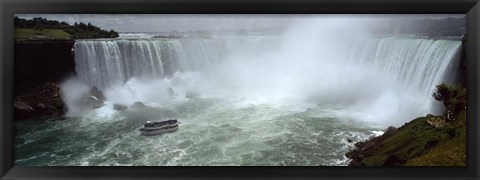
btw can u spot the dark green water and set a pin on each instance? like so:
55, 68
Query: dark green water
212, 132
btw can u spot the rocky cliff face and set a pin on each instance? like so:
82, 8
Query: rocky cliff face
41, 61
41, 102
38, 68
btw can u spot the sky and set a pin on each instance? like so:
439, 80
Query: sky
194, 22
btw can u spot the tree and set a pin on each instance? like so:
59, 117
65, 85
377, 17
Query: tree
90, 27
39, 27
112, 34
78, 30
442, 93
454, 97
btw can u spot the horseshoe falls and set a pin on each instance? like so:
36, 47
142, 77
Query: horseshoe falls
241, 99
106, 62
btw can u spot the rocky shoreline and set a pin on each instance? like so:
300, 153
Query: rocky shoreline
366, 148
39, 68
45, 102
42, 102
417, 143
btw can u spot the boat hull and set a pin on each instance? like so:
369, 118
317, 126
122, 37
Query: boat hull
156, 127
157, 132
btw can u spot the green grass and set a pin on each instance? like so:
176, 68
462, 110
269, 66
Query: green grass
419, 144
450, 152
375, 160
44, 34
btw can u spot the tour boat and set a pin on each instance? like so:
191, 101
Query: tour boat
159, 127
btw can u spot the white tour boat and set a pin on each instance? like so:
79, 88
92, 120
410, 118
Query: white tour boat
159, 127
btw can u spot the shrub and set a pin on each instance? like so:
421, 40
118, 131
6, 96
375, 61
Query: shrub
453, 97
77, 30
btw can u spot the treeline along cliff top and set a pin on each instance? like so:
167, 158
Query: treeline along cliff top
43, 58
43, 29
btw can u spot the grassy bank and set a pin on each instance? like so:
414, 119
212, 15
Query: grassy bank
450, 151
419, 143
43, 29
28, 34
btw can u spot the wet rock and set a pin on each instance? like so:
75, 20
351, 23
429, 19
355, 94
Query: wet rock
366, 148
22, 106
390, 129
23, 110
97, 93
41, 102
119, 107
94, 99
41, 106
138, 105
91, 102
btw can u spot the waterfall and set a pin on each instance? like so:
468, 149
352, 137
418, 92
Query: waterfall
419, 64
416, 64
107, 62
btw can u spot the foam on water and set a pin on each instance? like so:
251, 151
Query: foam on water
212, 133
293, 99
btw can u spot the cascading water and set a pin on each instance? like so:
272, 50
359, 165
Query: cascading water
242, 100
417, 64
104, 63
420, 64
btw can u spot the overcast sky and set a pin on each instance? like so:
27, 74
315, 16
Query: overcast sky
187, 22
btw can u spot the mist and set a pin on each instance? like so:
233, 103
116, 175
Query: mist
273, 90
312, 66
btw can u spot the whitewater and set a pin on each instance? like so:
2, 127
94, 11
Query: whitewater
300, 98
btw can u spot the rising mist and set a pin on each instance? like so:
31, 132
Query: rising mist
312, 63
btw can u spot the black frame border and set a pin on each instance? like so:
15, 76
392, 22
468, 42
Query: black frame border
10, 7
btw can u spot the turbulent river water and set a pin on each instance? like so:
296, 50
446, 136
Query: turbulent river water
241, 100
